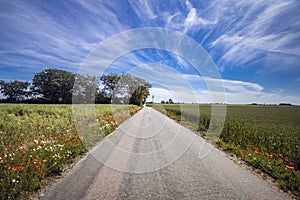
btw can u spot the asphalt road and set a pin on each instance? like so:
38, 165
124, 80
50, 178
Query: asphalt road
151, 157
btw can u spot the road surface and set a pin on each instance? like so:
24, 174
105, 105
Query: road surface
152, 157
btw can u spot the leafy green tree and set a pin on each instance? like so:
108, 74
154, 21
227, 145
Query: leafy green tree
54, 85
85, 89
109, 83
125, 88
14, 91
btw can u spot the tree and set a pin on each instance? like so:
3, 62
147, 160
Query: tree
162, 102
125, 88
135, 90
54, 85
171, 101
85, 89
14, 91
109, 83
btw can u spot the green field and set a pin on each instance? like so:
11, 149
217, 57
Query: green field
40, 140
265, 136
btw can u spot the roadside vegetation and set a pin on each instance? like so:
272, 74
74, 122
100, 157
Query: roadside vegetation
38, 141
267, 137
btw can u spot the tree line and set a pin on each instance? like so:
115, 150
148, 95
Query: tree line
59, 86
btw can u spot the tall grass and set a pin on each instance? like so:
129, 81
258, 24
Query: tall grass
37, 141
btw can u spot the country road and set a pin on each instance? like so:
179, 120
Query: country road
152, 157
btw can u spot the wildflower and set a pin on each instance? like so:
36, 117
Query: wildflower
274, 154
24, 154
240, 142
281, 161
249, 154
290, 168
20, 167
1, 181
270, 156
255, 149
14, 168
280, 155
1, 155
286, 159
37, 167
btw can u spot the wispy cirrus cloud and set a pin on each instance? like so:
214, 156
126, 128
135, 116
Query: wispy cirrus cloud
265, 30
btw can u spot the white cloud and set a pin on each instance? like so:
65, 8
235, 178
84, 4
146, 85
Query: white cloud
256, 32
179, 21
193, 19
142, 8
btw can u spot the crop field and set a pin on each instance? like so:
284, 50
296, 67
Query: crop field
40, 140
265, 136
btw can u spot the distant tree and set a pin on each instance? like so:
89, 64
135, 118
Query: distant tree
171, 101
54, 85
109, 83
139, 91
162, 102
85, 88
100, 97
125, 88
14, 91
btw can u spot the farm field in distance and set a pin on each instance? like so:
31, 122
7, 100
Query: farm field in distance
40, 140
265, 136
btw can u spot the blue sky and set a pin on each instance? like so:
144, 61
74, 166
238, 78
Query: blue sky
255, 44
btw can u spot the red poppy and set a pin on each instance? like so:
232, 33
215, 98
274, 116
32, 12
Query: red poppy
281, 161
20, 168
24, 154
37, 167
1, 154
290, 168
280, 155
255, 149
14, 168
286, 159
1, 181
270, 156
